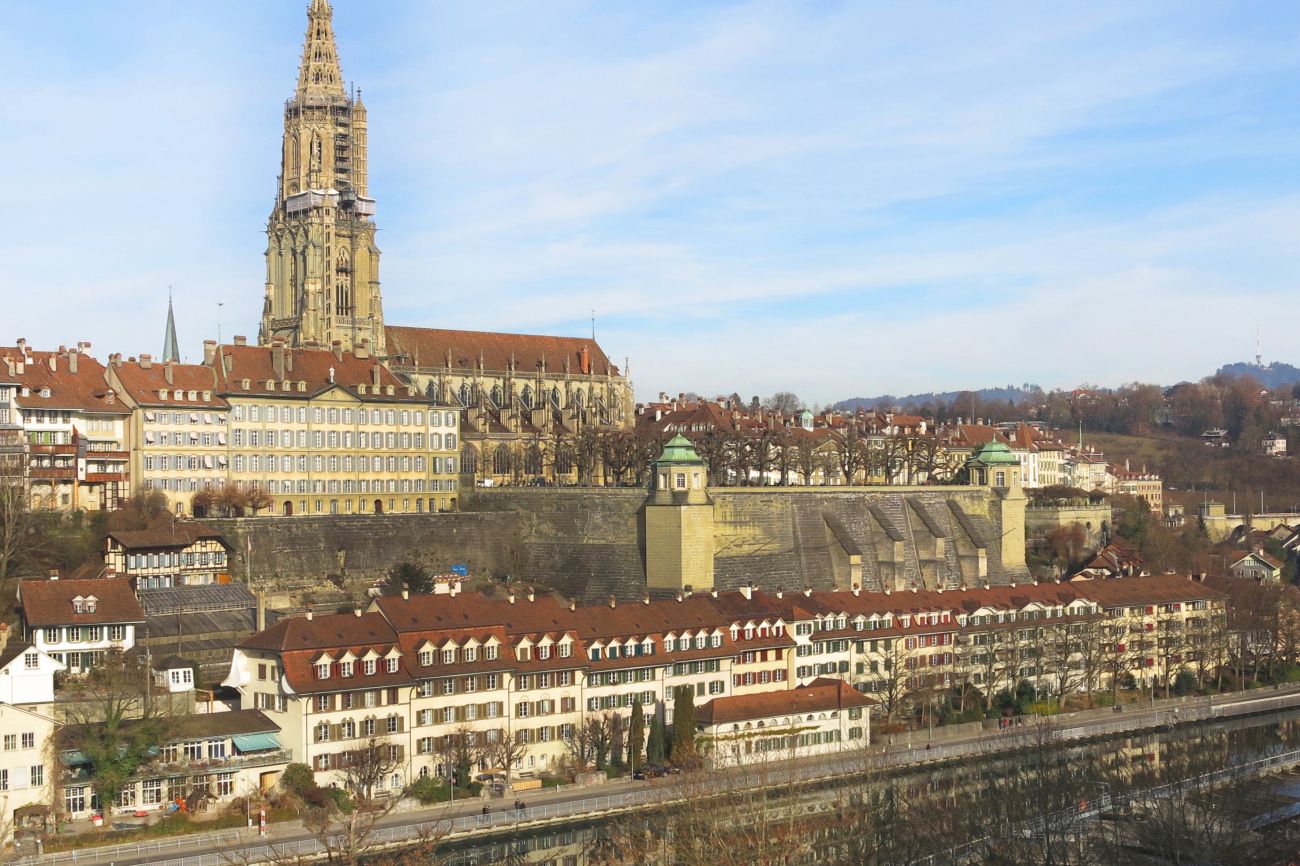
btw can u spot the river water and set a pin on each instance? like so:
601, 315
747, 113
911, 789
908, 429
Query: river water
1143, 760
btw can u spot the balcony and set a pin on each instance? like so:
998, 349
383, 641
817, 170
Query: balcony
208, 766
52, 449
65, 474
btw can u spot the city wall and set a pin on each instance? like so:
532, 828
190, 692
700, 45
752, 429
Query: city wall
590, 543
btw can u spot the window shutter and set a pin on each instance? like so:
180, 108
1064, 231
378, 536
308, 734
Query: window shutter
401, 725
335, 733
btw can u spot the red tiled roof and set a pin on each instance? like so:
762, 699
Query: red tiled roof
1147, 590
820, 695
84, 390
49, 602
432, 347
312, 366
143, 386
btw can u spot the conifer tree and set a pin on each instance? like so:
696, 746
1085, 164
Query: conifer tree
683, 724
654, 747
635, 735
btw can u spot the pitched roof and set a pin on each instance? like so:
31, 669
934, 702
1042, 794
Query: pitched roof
84, 390
1148, 590
177, 535
323, 632
820, 695
313, 366
432, 347
49, 602
143, 386
13, 650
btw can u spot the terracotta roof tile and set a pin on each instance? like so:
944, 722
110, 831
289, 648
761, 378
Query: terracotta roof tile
817, 696
432, 347
49, 602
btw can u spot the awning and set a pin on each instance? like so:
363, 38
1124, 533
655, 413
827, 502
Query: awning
256, 742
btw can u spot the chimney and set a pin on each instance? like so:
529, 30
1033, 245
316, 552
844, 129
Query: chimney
584, 360
72, 361
406, 592
888, 591
913, 589
645, 598
747, 591
374, 375
309, 612
714, 592
780, 592
361, 351
807, 591
277, 357
531, 595
356, 608
986, 584
679, 596
146, 362
168, 374
573, 605
54, 363
453, 587
688, 590
209, 352
857, 590
511, 596
54, 574
613, 602
241, 341
337, 347
261, 611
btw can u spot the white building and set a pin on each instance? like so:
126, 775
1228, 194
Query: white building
26, 771
27, 676
78, 621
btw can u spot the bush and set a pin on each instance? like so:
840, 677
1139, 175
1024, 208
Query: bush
611, 772
297, 778
342, 799
1184, 683
428, 789
553, 781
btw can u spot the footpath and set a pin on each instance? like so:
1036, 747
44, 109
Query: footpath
564, 805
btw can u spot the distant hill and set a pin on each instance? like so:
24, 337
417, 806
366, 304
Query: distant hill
986, 395
1272, 376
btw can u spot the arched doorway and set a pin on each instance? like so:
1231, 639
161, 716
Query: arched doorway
288, 508
379, 506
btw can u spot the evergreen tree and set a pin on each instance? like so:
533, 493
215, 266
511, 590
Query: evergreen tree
635, 734
683, 724
654, 747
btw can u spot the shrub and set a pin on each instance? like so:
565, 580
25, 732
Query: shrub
298, 778
342, 799
1184, 683
430, 789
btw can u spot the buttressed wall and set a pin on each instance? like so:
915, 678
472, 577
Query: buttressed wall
591, 543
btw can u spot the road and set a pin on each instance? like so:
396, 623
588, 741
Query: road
568, 804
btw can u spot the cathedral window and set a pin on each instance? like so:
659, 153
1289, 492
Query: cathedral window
463, 395
526, 397
495, 396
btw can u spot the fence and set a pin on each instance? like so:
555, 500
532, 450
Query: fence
593, 807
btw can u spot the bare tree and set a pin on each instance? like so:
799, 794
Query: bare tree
368, 767
508, 752
20, 533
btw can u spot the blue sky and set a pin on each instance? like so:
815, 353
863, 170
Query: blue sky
838, 199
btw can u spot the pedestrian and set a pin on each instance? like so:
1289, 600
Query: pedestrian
487, 810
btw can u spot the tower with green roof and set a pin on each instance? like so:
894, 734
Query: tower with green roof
679, 520
993, 465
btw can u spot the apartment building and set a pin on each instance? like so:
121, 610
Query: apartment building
74, 425
179, 435
27, 773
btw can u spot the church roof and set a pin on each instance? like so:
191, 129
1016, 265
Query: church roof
433, 347
171, 349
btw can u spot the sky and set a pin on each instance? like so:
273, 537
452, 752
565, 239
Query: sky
835, 198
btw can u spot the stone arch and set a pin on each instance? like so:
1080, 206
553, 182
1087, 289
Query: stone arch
469, 460
526, 397
501, 460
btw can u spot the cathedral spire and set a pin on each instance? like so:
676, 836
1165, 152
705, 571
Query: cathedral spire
319, 77
171, 350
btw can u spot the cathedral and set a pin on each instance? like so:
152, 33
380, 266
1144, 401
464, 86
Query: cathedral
525, 399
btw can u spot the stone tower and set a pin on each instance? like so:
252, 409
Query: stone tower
322, 265
995, 466
679, 521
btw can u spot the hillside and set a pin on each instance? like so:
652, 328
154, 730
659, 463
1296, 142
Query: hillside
1275, 375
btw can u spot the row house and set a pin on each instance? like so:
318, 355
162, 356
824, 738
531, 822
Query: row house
182, 554
74, 425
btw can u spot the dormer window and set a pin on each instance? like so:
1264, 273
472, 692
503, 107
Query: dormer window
471, 654
345, 669
323, 671
90, 603
594, 654
566, 650
391, 665
45, 392
449, 656
490, 652
370, 667
544, 652
78, 605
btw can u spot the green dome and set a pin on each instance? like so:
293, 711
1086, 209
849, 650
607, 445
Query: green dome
994, 454
679, 450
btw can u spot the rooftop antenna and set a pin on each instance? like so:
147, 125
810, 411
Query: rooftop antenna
593, 326
220, 304
1259, 356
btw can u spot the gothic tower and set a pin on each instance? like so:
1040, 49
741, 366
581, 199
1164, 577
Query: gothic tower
322, 265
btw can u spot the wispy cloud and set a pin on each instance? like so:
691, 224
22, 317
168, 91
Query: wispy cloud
841, 198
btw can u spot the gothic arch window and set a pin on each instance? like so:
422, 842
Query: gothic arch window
469, 460
533, 461
563, 461
463, 395
433, 392
578, 399
555, 398
501, 460
342, 284
526, 397
495, 396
